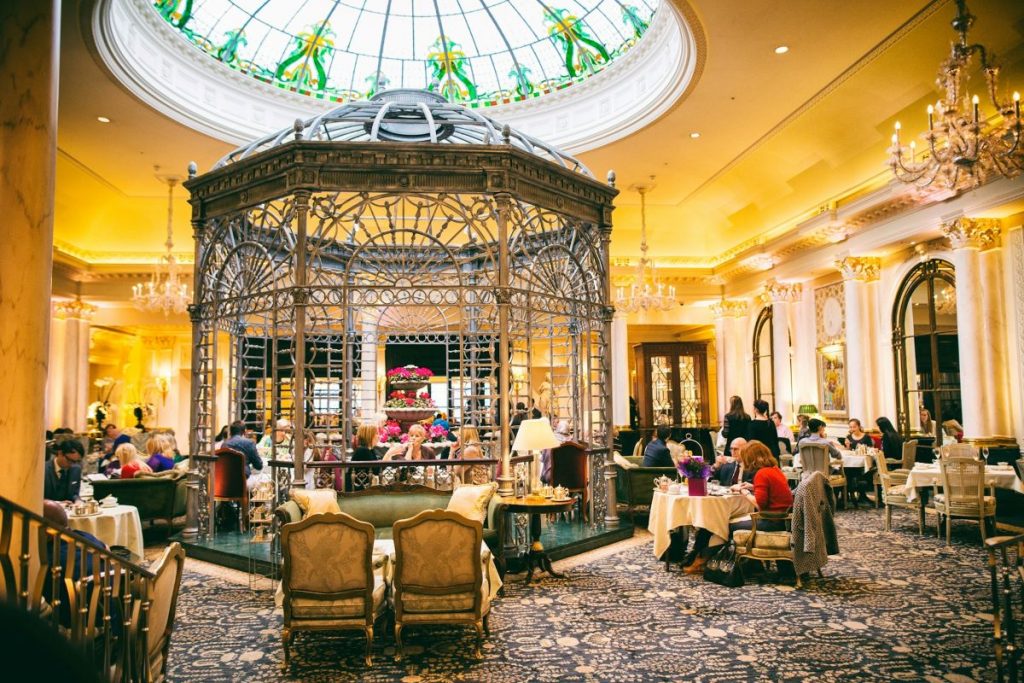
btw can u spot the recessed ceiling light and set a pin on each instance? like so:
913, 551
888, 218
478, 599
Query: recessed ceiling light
782, 49
103, 119
694, 135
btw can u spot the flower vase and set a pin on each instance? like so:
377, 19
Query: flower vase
697, 487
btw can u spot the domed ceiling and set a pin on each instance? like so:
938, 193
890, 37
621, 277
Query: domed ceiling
480, 53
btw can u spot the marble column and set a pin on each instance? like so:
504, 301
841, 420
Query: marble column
858, 274
782, 295
979, 347
620, 371
30, 34
68, 374
1013, 267
731, 360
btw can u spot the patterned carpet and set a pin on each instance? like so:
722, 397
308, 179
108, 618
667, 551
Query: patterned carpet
894, 606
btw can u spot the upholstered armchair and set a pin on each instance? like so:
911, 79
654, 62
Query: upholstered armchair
892, 487
767, 546
162, 592
439, 575
965, 494
325, 589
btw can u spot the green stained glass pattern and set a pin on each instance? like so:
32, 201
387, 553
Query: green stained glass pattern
479, 53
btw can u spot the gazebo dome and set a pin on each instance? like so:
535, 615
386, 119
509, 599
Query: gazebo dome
417, 116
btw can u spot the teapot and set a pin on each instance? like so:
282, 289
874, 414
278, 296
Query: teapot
561, 493
662, 483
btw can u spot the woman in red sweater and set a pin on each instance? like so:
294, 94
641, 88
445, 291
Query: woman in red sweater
769, 492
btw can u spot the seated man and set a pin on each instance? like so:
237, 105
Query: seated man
726, 470
62, 475
55, 514
656, 454
816, 429
238, 442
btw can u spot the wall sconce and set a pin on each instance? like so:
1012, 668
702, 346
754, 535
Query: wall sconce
163, 384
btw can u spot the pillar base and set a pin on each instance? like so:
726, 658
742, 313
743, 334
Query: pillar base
506, 486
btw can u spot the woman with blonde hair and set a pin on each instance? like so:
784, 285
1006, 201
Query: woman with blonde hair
365, 442
467, 447
131, 462
160, 452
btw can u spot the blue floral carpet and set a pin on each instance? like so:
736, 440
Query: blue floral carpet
893, 607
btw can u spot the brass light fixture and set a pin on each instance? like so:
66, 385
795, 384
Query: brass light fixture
961, 150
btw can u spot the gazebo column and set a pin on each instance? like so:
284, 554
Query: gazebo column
619, 376
981, 330
858, 275
782, 295
503, 297
299, 376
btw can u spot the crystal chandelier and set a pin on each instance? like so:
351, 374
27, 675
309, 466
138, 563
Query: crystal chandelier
646, 293
165, 291
961, 150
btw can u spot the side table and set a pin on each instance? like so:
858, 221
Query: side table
537, 558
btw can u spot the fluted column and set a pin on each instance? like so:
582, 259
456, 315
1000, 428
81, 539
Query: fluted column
858, 274
71, 335
30, 36
979, 345
782, 295
731, 364
620, 370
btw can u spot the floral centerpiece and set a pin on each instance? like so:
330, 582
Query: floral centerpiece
437, 434
408, 407
391, 432
409, 372
696, 471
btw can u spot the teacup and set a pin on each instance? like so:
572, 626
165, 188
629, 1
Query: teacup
674, 489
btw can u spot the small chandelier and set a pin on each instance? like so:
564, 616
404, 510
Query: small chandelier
960, 150
646, 293
165, 290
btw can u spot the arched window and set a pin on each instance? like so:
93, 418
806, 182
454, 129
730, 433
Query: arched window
764, 359
926, 350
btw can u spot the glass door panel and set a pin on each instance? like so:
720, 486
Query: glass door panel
689, 391
661, 390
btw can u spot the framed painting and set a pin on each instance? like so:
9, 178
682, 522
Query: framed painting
832, 381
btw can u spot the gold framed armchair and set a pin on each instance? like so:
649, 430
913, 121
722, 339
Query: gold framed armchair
328, 590
767, 546
162, 593
439, 575
964, 495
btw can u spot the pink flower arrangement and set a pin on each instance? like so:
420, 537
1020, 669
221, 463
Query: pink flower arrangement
391, 432
409, 372
437, 433
409, 399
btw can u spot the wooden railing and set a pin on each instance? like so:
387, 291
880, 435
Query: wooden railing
89, 596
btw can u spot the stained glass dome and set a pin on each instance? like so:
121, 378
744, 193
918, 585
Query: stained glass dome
478, 53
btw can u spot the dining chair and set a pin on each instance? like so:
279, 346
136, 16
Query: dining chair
909, 457
814, 457
894, 495
965, 494
162, 592
439, 575
229, 483
570, 467
330, 578
767, 546
1006, 562
959, 450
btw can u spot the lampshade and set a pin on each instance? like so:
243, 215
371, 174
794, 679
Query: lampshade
534, 435
808, 409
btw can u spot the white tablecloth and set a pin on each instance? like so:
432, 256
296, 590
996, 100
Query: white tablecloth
119, 525
851, 460
670, 511
926, 475
386, 547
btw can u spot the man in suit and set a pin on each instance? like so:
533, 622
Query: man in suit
657, 454
62, 476
726, 470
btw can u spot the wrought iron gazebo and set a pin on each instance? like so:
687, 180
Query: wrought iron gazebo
403, 220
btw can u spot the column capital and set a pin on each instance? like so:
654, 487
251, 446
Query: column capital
972, 233
859, 268
158, 342
782, 292
727, 308
73, 310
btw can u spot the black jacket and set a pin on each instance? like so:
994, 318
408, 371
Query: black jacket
735, 428
657, 455
765, 432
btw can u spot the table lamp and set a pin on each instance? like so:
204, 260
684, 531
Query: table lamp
534, 436
808, 409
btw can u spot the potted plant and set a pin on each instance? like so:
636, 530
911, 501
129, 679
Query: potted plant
696, 472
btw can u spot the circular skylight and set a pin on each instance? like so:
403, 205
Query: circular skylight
479, 53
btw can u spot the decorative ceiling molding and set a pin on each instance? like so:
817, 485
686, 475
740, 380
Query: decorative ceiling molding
75, 309
972, 233
783, 292
727, 308
859, 268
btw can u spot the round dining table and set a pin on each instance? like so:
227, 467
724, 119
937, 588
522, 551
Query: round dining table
712, 512
118, 525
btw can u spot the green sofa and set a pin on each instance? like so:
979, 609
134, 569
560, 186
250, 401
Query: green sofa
157, 496
382, 506
634, 487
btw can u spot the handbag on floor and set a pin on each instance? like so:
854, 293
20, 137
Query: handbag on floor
676, 552
724, 568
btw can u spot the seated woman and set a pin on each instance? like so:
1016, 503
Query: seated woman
366, 441
769, 492
468, 448
892, 444
413, 449
464, 436
857, 436
161, 455
131, 462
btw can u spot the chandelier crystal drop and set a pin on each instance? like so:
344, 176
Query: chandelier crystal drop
962, 149
645, 293
166, 291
